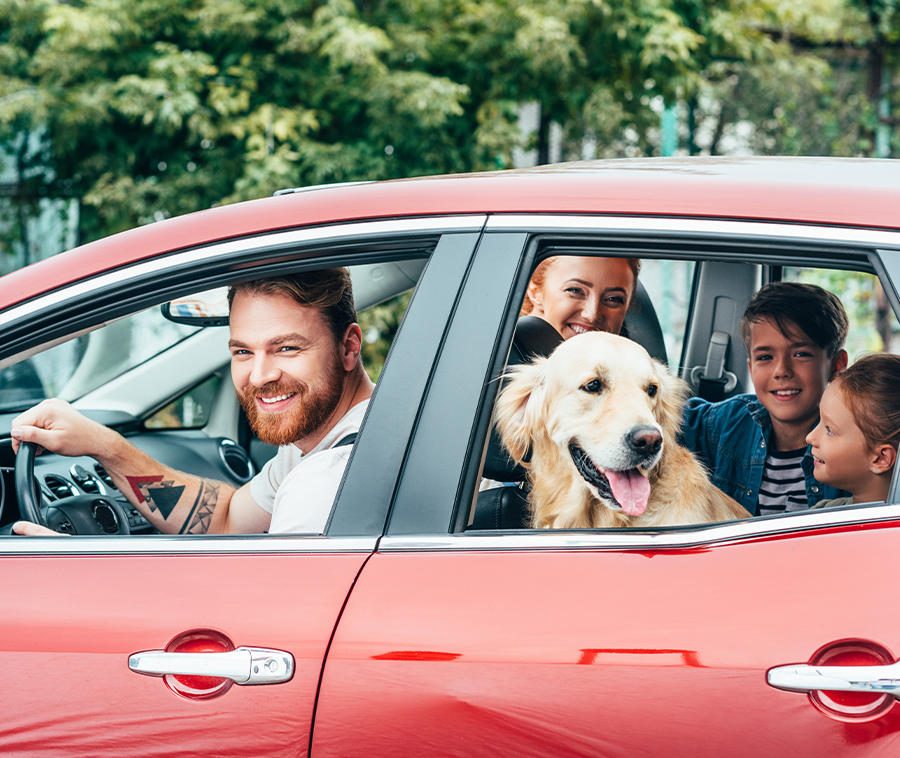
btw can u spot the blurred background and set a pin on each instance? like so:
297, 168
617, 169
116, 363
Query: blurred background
116, 113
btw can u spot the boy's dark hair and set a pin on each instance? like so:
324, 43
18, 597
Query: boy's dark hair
328, 290
793, 305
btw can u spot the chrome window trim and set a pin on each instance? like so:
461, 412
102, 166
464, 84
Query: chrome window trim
699, 227
146, 268
665, 539
183, 545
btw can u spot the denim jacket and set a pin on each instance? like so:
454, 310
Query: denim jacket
731, 438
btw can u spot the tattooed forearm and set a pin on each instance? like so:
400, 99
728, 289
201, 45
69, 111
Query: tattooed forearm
199, 518
161, 497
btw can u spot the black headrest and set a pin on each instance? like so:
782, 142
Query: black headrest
642, 325
534, 337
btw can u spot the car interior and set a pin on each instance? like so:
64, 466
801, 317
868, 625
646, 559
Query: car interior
699, 339
177, 402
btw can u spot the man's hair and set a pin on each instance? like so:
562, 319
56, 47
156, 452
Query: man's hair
328, 290
792, 306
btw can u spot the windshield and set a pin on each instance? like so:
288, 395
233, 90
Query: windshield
75, 368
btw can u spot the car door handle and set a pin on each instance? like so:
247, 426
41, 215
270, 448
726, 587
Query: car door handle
805, 678
245, 665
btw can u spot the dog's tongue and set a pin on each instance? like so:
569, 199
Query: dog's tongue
630, 489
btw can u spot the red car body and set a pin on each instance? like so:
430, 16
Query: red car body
409, 634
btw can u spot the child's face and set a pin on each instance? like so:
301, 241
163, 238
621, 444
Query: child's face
838, 445
789, 374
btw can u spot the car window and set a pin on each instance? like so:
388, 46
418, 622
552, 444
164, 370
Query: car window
166, 386
379, 325
189, 411
668, 284
691, 301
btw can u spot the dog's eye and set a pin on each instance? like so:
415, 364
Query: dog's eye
593, 387
651, 390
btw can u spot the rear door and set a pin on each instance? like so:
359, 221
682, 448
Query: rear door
613, 643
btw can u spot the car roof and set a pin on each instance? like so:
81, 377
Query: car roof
832, 191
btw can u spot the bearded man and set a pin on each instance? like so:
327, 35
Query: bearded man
297, 371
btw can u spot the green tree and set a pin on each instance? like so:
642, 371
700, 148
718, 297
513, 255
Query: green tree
153, 108
821, 95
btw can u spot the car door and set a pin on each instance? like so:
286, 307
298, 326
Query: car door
89, 625
679, 641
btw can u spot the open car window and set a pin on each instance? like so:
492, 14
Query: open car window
695, 306
167, 387
873, 324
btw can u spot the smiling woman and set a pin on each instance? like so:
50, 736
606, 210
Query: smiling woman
577, 294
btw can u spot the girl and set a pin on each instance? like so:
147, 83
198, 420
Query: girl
854, 446
576, 294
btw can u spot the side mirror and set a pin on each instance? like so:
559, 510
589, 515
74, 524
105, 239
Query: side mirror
208, 308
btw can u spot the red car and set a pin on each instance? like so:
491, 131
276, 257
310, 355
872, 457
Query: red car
405, 629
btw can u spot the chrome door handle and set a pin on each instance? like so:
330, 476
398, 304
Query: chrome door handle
245, 665
804, 678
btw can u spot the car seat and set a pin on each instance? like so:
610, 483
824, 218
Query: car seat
506, 507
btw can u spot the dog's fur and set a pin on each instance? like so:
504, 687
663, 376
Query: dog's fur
604, 395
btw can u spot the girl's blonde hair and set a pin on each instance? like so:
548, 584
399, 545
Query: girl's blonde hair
540, 274
871, 391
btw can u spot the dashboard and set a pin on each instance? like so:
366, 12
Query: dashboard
61, 479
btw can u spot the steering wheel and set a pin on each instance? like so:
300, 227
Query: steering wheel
81, 514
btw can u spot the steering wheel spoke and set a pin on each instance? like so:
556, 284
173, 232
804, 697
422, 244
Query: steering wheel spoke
87, 514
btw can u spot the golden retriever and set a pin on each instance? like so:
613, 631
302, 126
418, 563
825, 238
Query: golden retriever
599, 418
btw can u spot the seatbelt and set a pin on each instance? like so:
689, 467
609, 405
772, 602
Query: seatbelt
712, 382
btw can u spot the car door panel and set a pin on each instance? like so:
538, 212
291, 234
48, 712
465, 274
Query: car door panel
67, 688
603, 652
77, 609
616, 644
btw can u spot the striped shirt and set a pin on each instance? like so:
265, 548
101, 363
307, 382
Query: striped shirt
783, 485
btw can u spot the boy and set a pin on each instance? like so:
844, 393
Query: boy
755, 445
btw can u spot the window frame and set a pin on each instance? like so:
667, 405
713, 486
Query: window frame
85, 305
757, 242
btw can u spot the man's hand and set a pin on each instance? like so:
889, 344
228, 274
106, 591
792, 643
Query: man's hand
29, 529
56, 426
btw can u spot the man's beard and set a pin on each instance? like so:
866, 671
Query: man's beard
309, 411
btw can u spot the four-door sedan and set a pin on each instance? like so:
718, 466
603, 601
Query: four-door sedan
409, 627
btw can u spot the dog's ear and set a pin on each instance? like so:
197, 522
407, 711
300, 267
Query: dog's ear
519, 406
672, 394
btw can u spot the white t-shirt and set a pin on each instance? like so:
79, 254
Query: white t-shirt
299, 489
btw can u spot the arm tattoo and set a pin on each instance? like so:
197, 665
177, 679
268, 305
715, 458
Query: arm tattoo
159, 495
199, 518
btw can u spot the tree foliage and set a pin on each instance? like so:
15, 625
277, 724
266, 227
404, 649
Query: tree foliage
820, 96
152, 108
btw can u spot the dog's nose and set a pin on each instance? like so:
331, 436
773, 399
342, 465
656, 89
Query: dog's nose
645, 440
